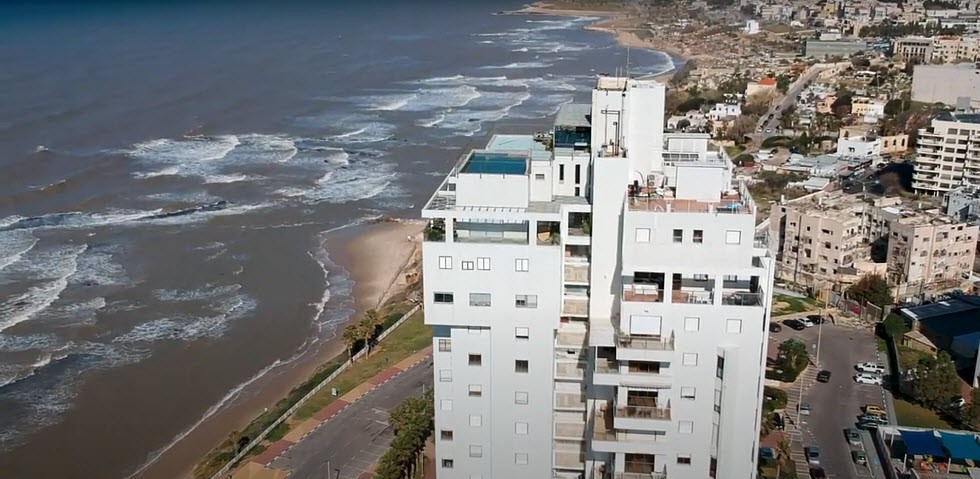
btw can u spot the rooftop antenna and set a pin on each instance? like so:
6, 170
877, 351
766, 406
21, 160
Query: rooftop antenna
627, 60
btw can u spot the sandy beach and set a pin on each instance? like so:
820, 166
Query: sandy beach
374, 255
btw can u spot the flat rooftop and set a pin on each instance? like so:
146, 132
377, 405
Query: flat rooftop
960, 117
577, 115
525, 144
495, 163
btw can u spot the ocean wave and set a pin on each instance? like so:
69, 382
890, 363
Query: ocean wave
424, 99
517, 65
211, 156
97, 267
14, 245
27, 305
191, 328
17, 344
168, 171
205, 292
371, 132
10, 374
232, 178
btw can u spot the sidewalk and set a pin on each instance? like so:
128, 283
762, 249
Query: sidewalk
300, 431
798, 433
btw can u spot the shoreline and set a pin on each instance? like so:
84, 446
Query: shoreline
374, 256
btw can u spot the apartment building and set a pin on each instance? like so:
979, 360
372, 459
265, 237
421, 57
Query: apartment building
616, 332
951, 49
929, 254
917, 50
955, 85
948, 153
963, 203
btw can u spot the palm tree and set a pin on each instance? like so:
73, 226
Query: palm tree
351, 335
370, 324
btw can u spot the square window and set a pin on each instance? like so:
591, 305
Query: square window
698, 236
476, 451
522, 265
678, 236
468, 265
735, 236
483, 264
520, 397
480, 299
734, 326
643, 235
687, 392
476, 420
692, 324
476, 360
446, 405
685, 427
447, 463
526, 301
445, 375
445, 262
446, 435
442, 298
520, 366
539, 176
520, 458
522, 333
445, 345
520, 428
476, 390
690, 359
684, 459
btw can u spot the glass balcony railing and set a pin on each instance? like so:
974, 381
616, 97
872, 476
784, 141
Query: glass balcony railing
646, 342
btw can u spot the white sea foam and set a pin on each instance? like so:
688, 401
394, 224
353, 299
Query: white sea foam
168, 171
191, 328
431, 122
425, 99
522, 49
16, 344
211, 156
188, 149
517, 65
365, 132
99, 268
13, 246
206, 292
77, 313
27, 305
232, 178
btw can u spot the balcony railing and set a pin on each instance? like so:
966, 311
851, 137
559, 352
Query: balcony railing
600, 472
578, 273
569, 460
565, 400
576, 306
692, 297
570, 339
742, 298
646, 342
570, 370
569, 430
643, 412
607, 366
644, 293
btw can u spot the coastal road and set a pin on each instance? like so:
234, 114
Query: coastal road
836, 404
356, 437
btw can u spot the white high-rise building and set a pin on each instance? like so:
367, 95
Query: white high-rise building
599, 303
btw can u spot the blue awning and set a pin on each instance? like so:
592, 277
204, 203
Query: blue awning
961, 446
922, 443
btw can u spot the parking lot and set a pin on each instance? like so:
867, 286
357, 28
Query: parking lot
836, 404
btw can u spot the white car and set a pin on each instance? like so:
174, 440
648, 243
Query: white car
807, 322
870, 368
865, 378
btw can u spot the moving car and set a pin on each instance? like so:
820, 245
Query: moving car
853, 437
813, 455
823, 376
865, 378
795, 324
859, 457
775, 328
874, 409
818, 473
872, 368
804, 408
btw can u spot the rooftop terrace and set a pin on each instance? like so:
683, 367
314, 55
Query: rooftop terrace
495, 163
729, 202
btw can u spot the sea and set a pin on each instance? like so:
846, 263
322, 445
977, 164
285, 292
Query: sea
169, 171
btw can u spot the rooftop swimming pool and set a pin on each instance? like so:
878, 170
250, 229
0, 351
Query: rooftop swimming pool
483, 162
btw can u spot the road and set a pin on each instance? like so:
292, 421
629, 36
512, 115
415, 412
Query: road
790, 99
356, 437
836, 404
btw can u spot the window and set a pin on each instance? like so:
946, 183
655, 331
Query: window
483, 264
445, 262
476, 360
539, 176
476, 390
685, 427
447, 463
713, 468
690, 359
520, 397
445, 345
735, 236
720, 368
699, 236
476, 420
692, 324
643, 235
520, 458
687, 392
520, 365
684, 459
730, 277
476, 451
734, 326
561, 173
521, 333
522, 265
480, 299
467, 265
577, 190
446, 405
578, 174
445, 375
446, 435
678, 236
718, 400
520, 428
526, 301
443, 298
700, 277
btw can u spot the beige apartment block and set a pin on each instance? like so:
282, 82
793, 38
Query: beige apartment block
913, 49
929, 254
948, 154
952, 49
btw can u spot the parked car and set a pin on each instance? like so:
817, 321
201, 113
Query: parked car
777, 421
813, 455
874, 409
873, 418
775, 328
823, 376
868, 425
806, 322
817, 473
794, 324
865, 378
859, 457
804, 408
957, 403
871, 368
853, 437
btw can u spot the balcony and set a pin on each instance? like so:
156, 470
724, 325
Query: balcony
576, 273
643, 293
600, 472
570, 370
574, 431
491, 233
570, 401
611, 373
569, 460
571, 339
692, 297
651, 343
742, 298
642, 418
575, 306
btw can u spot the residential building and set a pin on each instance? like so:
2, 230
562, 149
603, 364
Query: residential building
917, 50
833, 48
617, 332
929, 254
869, 109
764, 86
955, 85
951, 49
948, 153
724, 110
963, 203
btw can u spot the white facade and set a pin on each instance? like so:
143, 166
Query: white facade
625, 333
859, 146
724, 110
948, 154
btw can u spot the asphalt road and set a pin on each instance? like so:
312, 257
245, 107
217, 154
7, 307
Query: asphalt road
357, 436
835, 405
791, 95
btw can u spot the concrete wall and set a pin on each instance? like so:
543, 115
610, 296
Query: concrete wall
946, 83
474, 189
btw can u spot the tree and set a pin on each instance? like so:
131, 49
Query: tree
683, 124
971, 410
936, 382
369, 328
351, 335
871, 288
895, 106
894, 325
